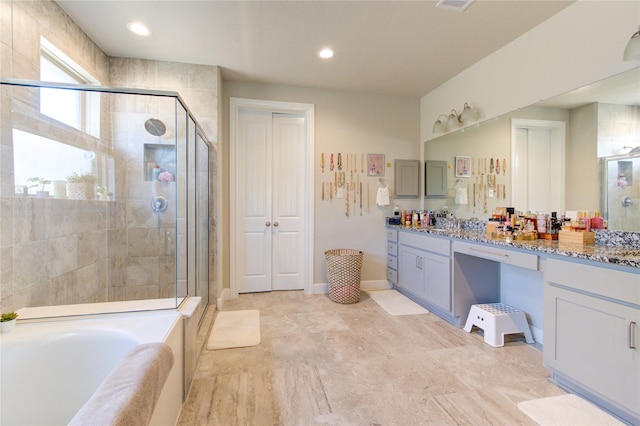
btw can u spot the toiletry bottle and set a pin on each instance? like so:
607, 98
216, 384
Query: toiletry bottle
596, 221
587, 222
542, 224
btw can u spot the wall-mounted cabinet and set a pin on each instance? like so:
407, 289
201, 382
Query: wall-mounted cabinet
407, 178
435, 179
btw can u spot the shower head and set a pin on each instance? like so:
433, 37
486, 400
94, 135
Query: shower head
155, 127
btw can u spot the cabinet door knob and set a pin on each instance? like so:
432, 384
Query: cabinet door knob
267, 224
275, 223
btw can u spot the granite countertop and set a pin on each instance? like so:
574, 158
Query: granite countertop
619, 255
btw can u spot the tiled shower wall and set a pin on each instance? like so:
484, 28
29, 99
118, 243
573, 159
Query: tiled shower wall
618, 129
85, 251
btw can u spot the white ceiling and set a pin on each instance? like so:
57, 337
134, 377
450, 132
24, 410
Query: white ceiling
387, 47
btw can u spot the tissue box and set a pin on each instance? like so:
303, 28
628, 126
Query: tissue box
576, 237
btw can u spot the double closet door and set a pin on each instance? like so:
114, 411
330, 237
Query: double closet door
269, 201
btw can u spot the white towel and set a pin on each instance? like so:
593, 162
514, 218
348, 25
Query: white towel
382, 197
128, 396
461, 195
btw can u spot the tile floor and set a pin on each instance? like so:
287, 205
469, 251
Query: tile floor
321, 363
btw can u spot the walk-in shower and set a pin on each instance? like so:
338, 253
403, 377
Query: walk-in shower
621, 191
107, 202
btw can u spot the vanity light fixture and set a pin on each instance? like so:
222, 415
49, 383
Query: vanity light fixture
632, 51
438, 126
454, 120
138, 28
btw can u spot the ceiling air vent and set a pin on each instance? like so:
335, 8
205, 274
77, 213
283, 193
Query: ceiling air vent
458, 5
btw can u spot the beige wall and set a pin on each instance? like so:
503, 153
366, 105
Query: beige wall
346, 122
583, 172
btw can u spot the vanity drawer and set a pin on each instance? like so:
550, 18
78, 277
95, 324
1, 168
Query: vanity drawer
392, 249
392, 262
426, 242
392, 235
508, 256
392, 275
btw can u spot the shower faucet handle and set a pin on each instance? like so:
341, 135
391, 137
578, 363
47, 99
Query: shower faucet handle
159, 204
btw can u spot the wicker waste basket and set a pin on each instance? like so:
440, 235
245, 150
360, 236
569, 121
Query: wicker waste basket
344, 268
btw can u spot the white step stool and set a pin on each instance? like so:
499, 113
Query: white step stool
498, 319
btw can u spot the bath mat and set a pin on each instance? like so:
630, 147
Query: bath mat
564, 410
235, 329
395, 303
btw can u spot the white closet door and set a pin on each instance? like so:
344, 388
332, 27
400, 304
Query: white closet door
270, 202
288, 201
254, 198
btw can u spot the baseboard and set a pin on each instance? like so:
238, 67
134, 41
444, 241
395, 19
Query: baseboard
367, 285
537, 334
224, 296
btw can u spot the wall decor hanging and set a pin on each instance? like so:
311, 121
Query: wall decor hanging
375, 164
463, 166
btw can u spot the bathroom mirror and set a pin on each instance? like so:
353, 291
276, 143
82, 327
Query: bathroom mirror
602, 123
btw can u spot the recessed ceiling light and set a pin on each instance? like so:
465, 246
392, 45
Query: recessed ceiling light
458, 5
325, 53
138, 28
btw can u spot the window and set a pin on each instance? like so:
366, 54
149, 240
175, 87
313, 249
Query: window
80, 110
33, 154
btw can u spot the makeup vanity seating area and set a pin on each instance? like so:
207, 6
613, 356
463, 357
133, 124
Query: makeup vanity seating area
582, 301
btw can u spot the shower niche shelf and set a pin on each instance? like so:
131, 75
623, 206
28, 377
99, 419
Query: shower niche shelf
159, 156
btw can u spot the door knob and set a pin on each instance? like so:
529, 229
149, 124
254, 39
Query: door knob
275, 223
268, 224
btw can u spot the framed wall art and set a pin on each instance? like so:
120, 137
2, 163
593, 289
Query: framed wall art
375, 164
463, 166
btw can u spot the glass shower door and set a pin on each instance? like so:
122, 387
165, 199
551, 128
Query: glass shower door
202, 219
622, 192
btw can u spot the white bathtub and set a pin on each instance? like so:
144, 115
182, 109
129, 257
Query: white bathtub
49, 369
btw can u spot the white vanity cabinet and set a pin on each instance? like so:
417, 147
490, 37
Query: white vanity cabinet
592, 333
424, 268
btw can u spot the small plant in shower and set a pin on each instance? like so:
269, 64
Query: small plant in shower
103, 194
8, 321
40, 182
81, 177
81, 186
8, 316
